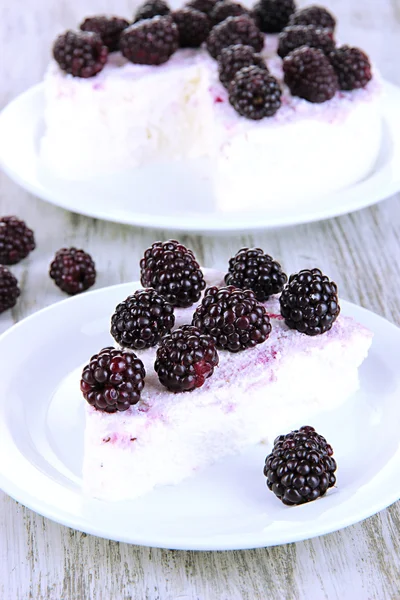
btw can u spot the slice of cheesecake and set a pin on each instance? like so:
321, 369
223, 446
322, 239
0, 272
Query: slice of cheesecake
252, 396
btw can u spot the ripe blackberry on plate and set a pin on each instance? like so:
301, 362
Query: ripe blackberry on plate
305, 35
9, 290
193, 27
16, 240
185, 359
300, 467
352, 67
272, 16
233, 58
108, 28
226, 8
234, 30
309, 302
204, 6
151, 41
113, 380
309, 74
142, 319
251, 269
150, 9
233, 318
314, 15
172, 270
80, 53
254, 93
73, 270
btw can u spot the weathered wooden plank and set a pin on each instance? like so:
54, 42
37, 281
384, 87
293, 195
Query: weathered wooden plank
45, 561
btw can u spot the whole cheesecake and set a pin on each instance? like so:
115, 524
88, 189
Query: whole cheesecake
128, 115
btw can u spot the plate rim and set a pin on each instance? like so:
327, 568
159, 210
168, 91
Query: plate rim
212, 543
212, 223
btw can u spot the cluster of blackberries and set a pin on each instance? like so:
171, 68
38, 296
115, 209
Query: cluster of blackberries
72, 270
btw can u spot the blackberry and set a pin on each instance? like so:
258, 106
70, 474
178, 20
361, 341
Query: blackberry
141, 320
309, 74
226, 8
172, 270
113, 380
9, 290
234, 30
185, 359
204, 6
305, 35
314, 15
150, 9
73, 270
254, 93
108, 28
80, 53
233, 318
271, 16
16, 240
309, 302
300, 467
352, 67
151, 41
193, 27
251, 269
233, 58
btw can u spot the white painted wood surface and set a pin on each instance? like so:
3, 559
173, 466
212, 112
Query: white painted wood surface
42, 560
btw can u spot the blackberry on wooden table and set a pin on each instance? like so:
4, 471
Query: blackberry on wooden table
16, 240
9, 290
73, 270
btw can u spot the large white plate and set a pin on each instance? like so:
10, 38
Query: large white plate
227, 506
165, 196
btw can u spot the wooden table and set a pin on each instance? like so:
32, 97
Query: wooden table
42, 560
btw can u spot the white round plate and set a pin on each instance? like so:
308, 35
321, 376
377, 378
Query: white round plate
165, 196
228, 505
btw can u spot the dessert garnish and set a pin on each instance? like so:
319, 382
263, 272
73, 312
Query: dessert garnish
309, 302
300, 467
185, 359
16, 240
233, 317
113, 380
204, 6
9, 290
80, 53
234, 58
352, 67
271, 16
142, 320
305, 35
314, 15
234, 30
151, 41
73, 270
172, 270
310, 75
109, 29
252, 269
254, 93
226, 8
150, 9
193, 27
